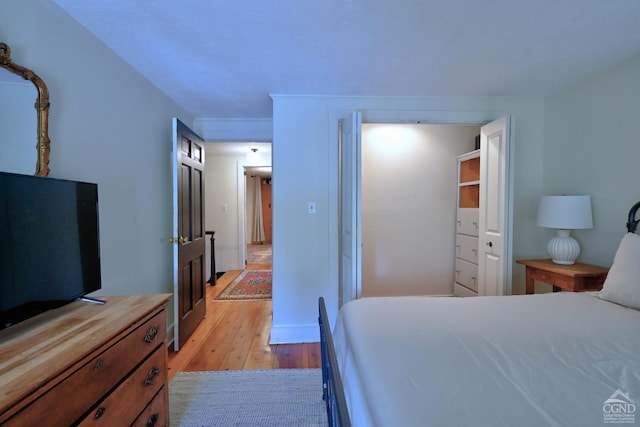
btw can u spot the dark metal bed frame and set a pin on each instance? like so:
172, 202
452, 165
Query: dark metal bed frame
632, 224
333, 393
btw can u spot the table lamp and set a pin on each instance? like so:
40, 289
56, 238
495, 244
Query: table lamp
564, 213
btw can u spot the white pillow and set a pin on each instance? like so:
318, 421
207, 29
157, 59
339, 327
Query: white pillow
622, 285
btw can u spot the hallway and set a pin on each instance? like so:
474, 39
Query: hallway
234, 335
260, 254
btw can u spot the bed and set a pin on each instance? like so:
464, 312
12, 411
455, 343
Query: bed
557, 359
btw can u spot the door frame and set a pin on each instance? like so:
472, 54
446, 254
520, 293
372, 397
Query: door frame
349, 260
431, 117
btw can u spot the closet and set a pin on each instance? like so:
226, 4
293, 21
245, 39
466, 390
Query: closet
408, 211
467, 220
407, 219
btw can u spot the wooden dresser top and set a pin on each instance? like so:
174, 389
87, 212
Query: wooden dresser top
36, 351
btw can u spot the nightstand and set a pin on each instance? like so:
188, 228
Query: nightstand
578, 277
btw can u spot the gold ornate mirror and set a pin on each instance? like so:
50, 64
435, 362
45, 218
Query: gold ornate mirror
42, 111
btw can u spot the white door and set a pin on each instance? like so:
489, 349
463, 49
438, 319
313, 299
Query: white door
494, 214
349, 210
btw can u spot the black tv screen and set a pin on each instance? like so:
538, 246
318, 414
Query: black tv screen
49, 244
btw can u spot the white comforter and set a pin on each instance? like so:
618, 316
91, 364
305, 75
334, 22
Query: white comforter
535, 360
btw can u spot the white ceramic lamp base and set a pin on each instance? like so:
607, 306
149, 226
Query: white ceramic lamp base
563, 248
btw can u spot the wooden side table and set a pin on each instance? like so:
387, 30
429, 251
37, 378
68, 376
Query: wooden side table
578, 277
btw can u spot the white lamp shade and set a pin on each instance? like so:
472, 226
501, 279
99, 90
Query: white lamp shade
565, 212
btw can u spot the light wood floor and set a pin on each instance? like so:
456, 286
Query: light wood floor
234, 335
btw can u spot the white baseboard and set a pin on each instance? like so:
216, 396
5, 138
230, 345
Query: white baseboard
294, 334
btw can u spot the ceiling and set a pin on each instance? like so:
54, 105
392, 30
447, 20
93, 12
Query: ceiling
261, 156
222, 59
236, 149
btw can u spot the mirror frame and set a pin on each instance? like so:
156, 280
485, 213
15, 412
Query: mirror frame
43, 145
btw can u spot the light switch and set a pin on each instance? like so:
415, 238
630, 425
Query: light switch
224, 208
311, 208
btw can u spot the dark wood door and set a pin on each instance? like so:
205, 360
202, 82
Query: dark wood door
189, 199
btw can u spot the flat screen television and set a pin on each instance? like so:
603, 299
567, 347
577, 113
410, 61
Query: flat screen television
49, 244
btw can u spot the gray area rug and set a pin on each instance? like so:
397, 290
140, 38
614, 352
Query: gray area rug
276, 397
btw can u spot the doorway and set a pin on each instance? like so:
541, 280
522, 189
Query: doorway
258, 216
225, 189
348, 128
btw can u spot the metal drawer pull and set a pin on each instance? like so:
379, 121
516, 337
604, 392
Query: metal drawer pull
152, 373
99, 413
153, 419
151, 334
99, 364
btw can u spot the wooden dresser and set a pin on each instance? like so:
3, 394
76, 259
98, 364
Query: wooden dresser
87, 364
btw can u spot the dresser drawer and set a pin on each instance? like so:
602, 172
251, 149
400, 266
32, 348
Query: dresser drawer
461, 291
125, 403
467, 274
93, 380
156, 413
467, 221
467, 248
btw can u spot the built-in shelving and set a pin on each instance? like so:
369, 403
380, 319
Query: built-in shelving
466, 263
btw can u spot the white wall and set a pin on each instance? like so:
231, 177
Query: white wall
221, 191
305, 264
592, 146
234, 129
409, 176
108, 125
18, 126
